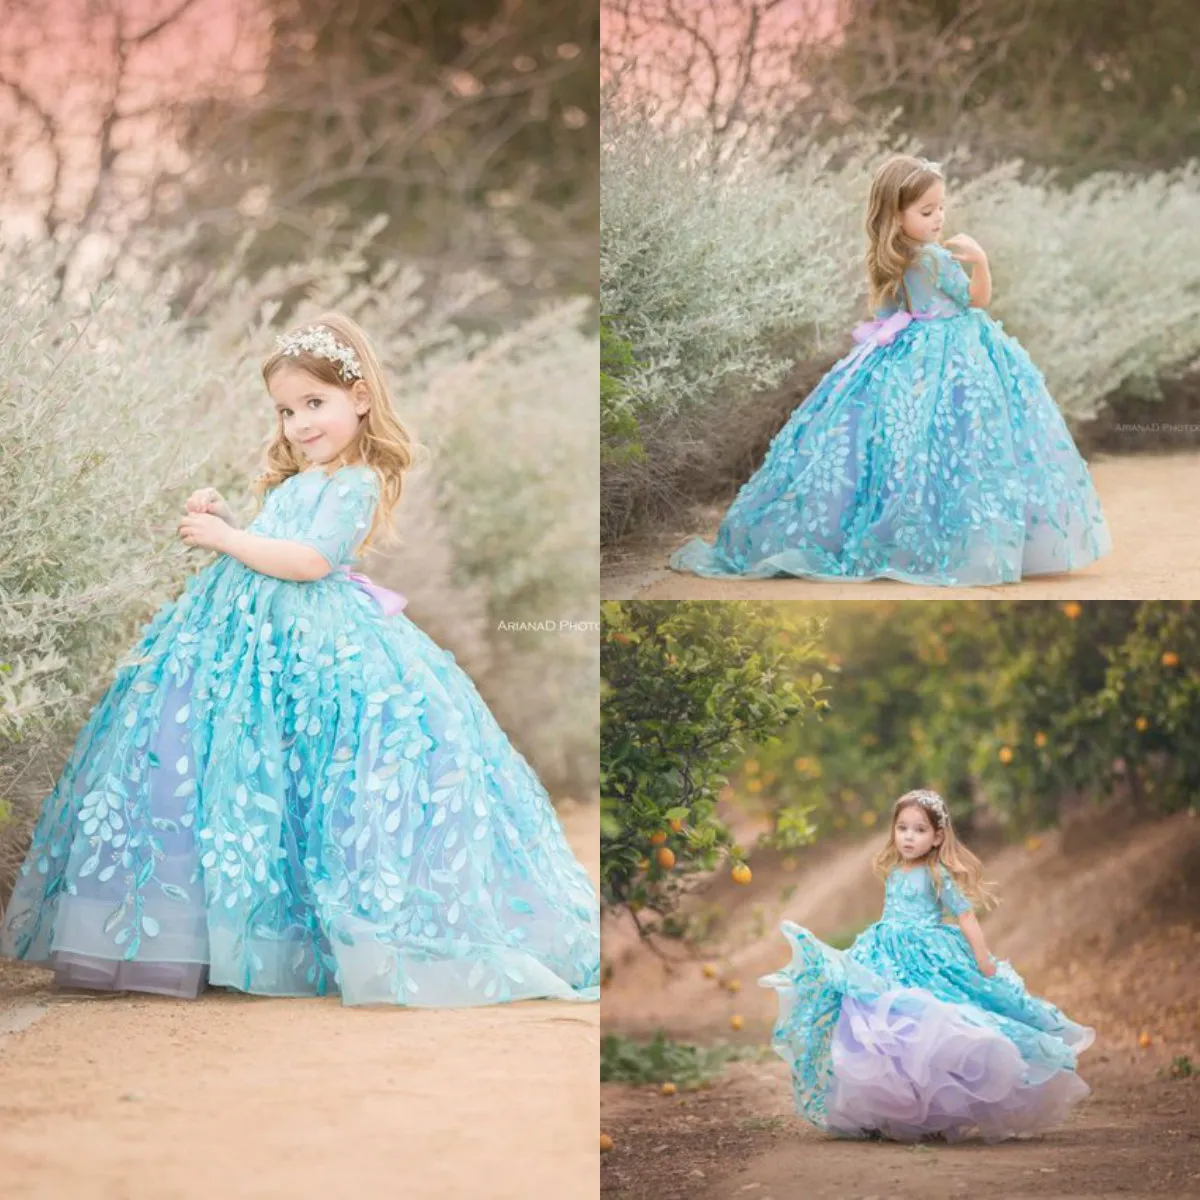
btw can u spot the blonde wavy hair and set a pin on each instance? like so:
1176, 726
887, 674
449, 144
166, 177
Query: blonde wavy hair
382, 442
900, 181
965, 869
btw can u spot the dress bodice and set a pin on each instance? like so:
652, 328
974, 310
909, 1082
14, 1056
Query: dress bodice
935, 283
331, 513
909, 897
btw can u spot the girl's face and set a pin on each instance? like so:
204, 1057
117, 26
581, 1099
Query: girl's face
914, 833
922, 220
319, 419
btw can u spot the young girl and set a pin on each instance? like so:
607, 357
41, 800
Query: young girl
932, 453
917, 1030
289, 789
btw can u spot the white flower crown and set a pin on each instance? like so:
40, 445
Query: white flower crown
932, 803
318, 340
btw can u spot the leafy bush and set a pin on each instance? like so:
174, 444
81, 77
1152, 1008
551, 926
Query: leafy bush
685, 689
623, 1060
1009, 710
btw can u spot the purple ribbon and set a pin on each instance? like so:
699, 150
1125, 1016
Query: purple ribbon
883, 331
391, 602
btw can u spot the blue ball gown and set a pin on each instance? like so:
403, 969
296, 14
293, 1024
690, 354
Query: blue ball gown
931, 454
902, 1036
288, 790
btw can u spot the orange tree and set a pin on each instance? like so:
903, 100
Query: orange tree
686, 689
1009, 707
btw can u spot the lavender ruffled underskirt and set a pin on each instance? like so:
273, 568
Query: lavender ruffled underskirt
908, 1065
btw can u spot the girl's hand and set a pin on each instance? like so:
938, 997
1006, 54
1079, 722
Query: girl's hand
205, 530
209, 500
965, 248
987, 966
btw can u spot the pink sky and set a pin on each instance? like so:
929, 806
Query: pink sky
662, 48
61, 53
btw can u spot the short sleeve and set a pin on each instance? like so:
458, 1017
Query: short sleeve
948, 276
952, 897
344, 510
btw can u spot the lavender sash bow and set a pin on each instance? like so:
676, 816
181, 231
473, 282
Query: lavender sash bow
883, 331
391, 602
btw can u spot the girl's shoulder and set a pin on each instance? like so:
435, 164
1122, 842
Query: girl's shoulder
930, 254
356, 475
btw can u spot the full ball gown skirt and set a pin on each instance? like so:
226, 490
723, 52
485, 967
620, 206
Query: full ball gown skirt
903, 1036
288, 792
931, 454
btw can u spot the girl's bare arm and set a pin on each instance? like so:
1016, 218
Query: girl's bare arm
275, 556
968, 922
981, 284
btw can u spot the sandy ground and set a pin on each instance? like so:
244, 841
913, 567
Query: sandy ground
1135, 1137
129, 1096
1150, 502
1104, 920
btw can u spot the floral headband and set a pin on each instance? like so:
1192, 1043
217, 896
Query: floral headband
932, 803
318, 340
923, 164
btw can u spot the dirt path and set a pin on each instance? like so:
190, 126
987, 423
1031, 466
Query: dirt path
131, 1096
1148, 500
1103, 918
1135, 1136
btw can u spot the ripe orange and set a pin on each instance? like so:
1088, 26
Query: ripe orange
736, 1021
733, 985
1039, 739
1170, 659
1141, 724
665, 857
1144, 1039
668, 1089
676, 825
1005, 755
741, 873
658, 837
708, 971
606, 1143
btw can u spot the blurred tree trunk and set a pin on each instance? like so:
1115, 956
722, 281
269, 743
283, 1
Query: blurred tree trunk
470, 125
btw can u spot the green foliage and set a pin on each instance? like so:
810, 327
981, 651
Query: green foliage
619, 432
1180, 1068
686, 689
623, 1060
1008, 708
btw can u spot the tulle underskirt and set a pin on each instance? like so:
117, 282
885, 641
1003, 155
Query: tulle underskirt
907, 1065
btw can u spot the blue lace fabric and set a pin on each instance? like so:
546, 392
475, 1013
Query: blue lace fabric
286, 792
903, 1036
937, 458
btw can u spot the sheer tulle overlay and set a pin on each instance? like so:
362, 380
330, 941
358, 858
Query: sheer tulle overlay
287, 791
933, 453
902, 1035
